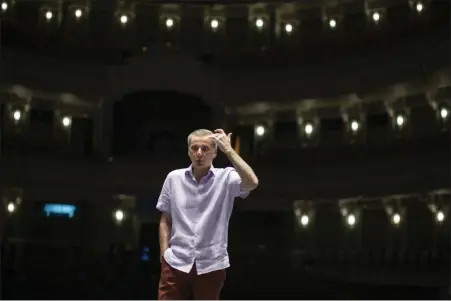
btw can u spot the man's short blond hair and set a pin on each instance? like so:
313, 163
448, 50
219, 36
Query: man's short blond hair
201, 133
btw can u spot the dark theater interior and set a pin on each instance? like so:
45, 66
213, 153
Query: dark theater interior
341, 107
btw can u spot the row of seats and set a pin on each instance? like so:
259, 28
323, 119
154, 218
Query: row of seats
42, 272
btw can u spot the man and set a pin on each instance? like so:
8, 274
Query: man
196, 204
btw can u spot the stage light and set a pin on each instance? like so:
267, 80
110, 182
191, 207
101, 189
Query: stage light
259, 130
4, 6
78, 13
288, 28
66, 121
124, 19
259, 23
17, 115
214, 24
169, 23
119, 216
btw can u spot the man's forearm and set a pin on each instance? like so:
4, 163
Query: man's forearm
165, 232
246, 173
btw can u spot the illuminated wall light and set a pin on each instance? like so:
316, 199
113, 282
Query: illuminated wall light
304, 220
78, 13
259, 130
419, 7
308, 129
214, 24
123, 19
4, 6
350, 216
119, 216
49, 15
376, 17
288, 28
396, 218
400, 120
444, 113
169, 23
66, 121
355, 126
11, 207
17, 115
440, 216
259, 23
332, 23
439, 213
351, 220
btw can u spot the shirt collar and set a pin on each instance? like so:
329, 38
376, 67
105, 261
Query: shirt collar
189, 171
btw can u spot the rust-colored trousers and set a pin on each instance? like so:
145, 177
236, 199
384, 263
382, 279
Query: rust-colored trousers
177, 285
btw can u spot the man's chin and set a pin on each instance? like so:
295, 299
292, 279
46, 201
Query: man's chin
200, 164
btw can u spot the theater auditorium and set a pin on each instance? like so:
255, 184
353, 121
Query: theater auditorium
341, 107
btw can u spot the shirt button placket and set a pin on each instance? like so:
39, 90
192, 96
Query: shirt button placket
196, 218
196, 234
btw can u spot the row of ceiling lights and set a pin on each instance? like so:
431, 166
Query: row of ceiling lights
308, 127
17, 116
354, 125
303, 219
215, 22
351, 219
438, 205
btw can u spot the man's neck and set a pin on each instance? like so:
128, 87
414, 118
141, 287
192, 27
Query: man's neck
199, 173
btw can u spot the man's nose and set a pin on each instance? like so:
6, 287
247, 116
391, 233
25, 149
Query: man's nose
199, 152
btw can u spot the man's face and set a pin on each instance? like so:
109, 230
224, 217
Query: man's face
201, 151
